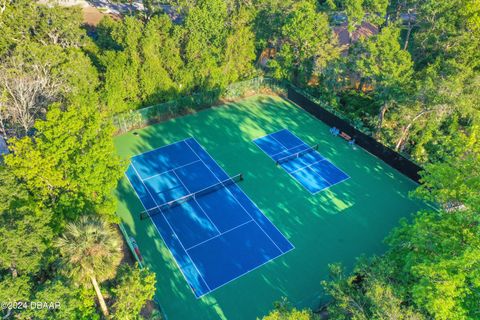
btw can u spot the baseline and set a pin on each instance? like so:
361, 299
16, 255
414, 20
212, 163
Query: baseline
173, 231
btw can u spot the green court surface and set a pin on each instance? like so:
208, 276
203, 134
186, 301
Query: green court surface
336, 225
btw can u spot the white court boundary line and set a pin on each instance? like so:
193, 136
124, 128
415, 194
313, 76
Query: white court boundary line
218, 235
234, 197
173, 231
198, 204
308, 166
165, 242
290, 173
166, 171
168, 145
260, 265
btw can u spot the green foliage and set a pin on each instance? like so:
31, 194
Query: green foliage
58, 89
269, 18
430, 271
388, 68
355, 13
90, 247
450, 29
148, 62
25, 239
70, 163
75, 302
90, 251
24, 228
455, 180
367, 294
134, 287
438, 262
26, 21
284, 311
307, 44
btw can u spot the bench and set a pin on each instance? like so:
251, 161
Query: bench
345, 136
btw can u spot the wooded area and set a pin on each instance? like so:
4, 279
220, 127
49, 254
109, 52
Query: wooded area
413, 83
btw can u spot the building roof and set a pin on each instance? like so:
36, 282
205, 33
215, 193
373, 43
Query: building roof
345, 39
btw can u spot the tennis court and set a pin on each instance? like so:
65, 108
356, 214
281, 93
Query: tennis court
213, 230
342, 222
301, 161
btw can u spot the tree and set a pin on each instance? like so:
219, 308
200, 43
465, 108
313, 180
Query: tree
27, 89
284, 311
70, 164
387, 67
25, 21
307, 44
134, 288
450, 29
269, 18
162, 62
75, 302
24, 228
437, 260
355, 13
90, 251
121, 85
204, 38
240, 47
444, 103
25, 239
40, 62
366, 294
456, 179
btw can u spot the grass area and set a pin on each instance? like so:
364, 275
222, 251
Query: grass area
336, 225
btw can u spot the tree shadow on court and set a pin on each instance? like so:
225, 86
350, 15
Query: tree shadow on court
335, 225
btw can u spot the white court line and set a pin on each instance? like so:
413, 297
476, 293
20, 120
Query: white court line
269, 134
176, 236
168, 145
254, 204
236, 197
293, 177
248, 271
305, 167
188, 190
287, 150
165, 242
244, 273
159, 174
281, 144
218, 235
331, 185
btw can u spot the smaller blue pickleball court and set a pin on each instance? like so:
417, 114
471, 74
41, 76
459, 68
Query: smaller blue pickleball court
215, 237
300, 161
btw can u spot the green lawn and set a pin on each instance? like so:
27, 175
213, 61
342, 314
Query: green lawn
336, 225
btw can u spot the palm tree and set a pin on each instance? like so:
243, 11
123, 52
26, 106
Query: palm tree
91, 251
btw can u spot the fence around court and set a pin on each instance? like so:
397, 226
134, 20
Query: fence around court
139, 118
157, 113
190, 104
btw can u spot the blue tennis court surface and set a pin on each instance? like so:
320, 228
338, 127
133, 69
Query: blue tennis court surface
214, 238
307, 166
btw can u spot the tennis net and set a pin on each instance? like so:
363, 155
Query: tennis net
173, 203
297, 154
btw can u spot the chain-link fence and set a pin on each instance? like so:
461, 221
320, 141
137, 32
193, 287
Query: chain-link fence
157, 113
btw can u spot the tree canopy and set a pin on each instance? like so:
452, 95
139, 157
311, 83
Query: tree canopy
405, 71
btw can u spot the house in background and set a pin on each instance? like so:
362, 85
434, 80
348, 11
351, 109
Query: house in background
340, 30
345, 39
